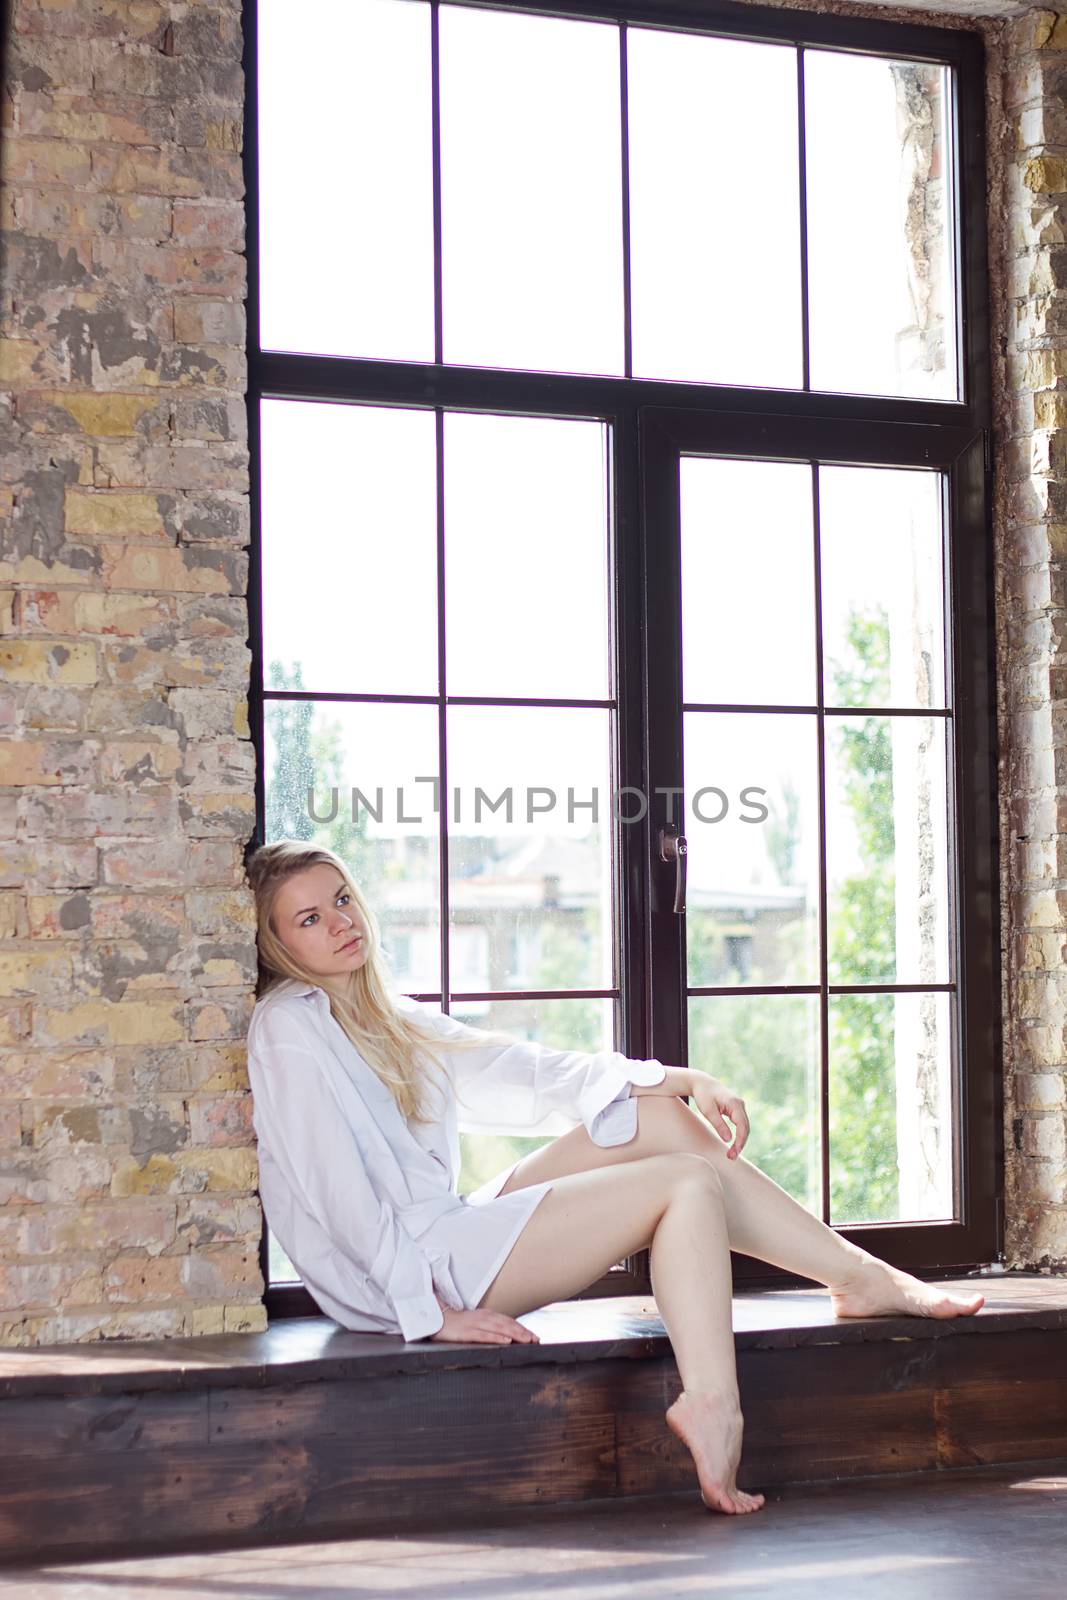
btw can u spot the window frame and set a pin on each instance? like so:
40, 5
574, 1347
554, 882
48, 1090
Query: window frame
959, 454
648, 416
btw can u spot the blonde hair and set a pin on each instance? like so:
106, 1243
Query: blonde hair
388, 1041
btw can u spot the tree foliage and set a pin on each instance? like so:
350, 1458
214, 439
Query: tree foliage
309, 765
767, 1046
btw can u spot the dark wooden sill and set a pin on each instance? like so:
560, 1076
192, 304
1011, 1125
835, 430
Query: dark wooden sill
308, 1431
308, 1348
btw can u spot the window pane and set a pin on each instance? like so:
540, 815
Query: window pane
346, 178
349, 546
891, 1123
530, 892
886, 850
752, 890
883, 612
526, 556
880, 257
714, 209
280, 1269
748, 582
767, 1050
562, 1024
377, 750
531, 192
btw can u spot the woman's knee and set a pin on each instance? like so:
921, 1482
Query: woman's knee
695, 1173
685, 1170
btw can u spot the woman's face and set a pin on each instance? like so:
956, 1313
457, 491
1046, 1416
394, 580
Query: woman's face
316, 920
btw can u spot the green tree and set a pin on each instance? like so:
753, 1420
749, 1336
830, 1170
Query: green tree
864, 1172
309, 762
766, 1046
289, 725
782, 832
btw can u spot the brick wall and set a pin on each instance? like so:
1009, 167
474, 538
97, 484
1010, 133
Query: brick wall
127, 1172
1031, 521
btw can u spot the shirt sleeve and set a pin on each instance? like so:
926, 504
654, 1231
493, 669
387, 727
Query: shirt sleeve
299, 1117
531, 1088
617, 1123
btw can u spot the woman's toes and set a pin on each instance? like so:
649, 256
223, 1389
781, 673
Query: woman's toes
950, 1305
735, 1502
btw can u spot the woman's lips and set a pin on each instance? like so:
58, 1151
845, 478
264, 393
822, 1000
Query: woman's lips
351, 944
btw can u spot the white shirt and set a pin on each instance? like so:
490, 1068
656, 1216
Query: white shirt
364, 1204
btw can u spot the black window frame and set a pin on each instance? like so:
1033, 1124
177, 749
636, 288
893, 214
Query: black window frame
650, 422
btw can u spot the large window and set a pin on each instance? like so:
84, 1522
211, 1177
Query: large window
620, 588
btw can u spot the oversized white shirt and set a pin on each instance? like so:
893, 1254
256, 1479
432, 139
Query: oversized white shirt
364, 1204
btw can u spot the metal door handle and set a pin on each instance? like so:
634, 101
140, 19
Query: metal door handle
672, 847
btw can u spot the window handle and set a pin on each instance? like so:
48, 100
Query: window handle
672, 847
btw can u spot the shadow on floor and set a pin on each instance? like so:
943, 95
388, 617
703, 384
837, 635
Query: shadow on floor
995, 1532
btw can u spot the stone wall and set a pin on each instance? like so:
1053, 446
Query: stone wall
127, 1172
1030, 517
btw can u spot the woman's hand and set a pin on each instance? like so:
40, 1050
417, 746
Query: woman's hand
717, 1102
481, 1327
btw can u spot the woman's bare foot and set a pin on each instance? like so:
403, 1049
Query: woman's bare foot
711, 1426
876, 1289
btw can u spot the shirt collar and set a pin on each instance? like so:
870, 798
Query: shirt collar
295, 986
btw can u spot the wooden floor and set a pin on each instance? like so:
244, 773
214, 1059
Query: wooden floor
1000, 1533
310, 1432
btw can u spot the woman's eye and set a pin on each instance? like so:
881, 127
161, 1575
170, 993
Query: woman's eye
307, 919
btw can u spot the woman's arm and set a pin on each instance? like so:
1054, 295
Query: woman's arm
676, 1081
531, 1088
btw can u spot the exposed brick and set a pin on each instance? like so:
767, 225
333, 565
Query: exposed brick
1031, 556
95, 1022
225, 1120
221, 224
41, 161
122, 21
42, 661
203, 321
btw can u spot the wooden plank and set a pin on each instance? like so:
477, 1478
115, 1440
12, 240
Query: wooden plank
125, 1501
810, 1412
359, 1455
459, 1399
1002, 1398
163, 1469
839, 1410
521, 1437
51, 1427
121, 1500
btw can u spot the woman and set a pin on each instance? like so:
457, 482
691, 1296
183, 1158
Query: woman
354, 1094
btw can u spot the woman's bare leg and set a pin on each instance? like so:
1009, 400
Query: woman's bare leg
762, 1220
672, 1204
